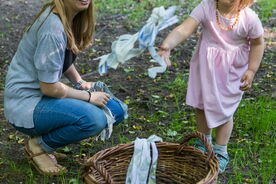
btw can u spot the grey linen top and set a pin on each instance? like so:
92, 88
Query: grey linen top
39, 57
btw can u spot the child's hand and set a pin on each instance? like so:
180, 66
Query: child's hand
247, 80
165, 53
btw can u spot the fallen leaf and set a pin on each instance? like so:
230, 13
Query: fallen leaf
247, 180
20, 141
85, 143
171, 133
137, 127
142, 118
169, 96
155, 96
127, 102
129, 70
131, 132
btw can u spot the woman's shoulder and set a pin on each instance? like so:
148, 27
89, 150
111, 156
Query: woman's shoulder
50, 23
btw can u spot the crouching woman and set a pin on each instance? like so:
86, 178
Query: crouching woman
36, 102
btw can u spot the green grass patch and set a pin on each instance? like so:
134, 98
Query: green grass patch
136, 12
265, 9
253, 148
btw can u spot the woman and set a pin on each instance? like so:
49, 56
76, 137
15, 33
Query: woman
36, 102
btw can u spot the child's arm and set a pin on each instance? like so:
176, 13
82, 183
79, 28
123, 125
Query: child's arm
255, 57
178, 35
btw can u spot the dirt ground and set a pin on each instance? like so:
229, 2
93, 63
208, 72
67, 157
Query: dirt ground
16, 14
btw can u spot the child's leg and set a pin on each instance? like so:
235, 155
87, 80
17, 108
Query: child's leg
223, 134
203, 128
201, 122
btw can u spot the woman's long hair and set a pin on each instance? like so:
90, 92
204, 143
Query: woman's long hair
83, 27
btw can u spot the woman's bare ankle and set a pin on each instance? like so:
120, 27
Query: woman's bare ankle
46, 163
34, 146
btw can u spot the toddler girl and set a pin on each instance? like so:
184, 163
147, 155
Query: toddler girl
227, 57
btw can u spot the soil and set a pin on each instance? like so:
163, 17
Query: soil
16, 14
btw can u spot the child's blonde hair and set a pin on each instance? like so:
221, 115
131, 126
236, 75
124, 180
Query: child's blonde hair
241, 4
83, 27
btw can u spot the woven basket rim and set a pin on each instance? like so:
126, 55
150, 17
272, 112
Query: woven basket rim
94, 161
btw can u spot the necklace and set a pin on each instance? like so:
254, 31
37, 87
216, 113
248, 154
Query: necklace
232, 25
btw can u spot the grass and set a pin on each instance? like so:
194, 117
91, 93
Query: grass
253, 143
265, 9
255, 140
137, 10
252, 146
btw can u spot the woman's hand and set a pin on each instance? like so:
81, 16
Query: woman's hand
99, 98
165, 53
247, 80
87, 85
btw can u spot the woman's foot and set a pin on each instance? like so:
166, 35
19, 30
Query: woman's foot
41, 160
56, 156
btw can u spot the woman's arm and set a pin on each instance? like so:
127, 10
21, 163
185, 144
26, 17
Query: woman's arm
255, 57
178, 35
73, 75
60, 90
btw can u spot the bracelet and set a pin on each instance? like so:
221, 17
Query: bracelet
78, 84
89, 96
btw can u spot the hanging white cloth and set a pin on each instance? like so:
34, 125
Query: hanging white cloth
123, 48
142, 168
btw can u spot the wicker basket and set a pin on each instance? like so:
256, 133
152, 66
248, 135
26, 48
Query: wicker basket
177, 163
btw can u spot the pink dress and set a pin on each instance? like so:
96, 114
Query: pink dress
220, 61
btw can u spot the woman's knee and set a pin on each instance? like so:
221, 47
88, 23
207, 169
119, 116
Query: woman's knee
116, 110
93, 123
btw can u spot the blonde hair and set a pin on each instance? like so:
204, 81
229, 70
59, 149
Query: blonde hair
83, 27
241, 4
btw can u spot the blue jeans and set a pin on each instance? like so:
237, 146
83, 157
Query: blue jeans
116, 111
59, 122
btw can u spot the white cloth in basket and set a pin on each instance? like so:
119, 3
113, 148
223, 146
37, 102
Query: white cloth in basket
142, 168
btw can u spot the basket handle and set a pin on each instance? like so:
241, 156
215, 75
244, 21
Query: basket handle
101, 170
200, 136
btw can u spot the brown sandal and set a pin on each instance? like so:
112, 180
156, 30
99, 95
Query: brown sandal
59, 155
31, 155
